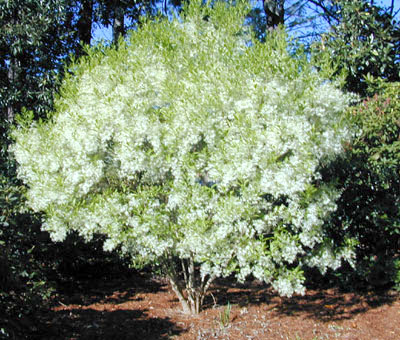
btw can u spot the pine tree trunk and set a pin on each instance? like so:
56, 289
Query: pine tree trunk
11, 75
85, 21
118, 22
10, 108
275, 12
14, 76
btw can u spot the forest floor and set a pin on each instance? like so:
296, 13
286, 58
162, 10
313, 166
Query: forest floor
139, 307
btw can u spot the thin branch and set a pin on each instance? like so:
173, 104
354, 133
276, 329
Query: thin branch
184, 270
328, 12
190, 282
205, 285
395, 14
191, 272
208, 283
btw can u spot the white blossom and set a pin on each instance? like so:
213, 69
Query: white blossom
191, 141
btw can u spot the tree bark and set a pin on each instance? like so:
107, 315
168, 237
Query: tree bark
179, 293
275, 12
16, 76
190, 291
118, 22
85, 21
11, 80
12, 76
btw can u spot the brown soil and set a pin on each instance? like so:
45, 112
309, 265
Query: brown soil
146, 309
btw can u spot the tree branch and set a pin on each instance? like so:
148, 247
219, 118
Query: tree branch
179, 293
184, 270
329, 14
205, 284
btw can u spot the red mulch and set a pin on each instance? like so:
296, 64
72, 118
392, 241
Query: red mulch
146, 309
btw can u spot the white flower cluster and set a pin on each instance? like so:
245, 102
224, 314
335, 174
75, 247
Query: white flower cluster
191, 141
287, 284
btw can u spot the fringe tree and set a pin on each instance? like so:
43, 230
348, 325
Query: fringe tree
196, 148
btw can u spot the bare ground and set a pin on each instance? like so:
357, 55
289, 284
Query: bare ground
142, 308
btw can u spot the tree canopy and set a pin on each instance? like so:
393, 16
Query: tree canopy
193, 142
364, 43
33, 43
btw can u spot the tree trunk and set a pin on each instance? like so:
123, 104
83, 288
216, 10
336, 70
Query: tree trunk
85, 21
275, 12
15, 78
11, 76
179, 293
192, 290
118, 22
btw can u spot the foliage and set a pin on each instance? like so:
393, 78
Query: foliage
366, 41
368, 174
396, 276
225, 316
22, 283
105, 10
34, 41
194, 145
31, 266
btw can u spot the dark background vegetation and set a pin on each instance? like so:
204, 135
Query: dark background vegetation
359, 40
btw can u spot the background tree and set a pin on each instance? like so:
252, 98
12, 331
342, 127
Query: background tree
33, 43
36, 40
275, 13
305, 20
368, 175
85, 22
124, 14
365, 41
364, 46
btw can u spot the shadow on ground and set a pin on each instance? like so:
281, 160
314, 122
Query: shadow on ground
332, 305
114, 290
323, 304
79, 311
91, 324
106, 309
